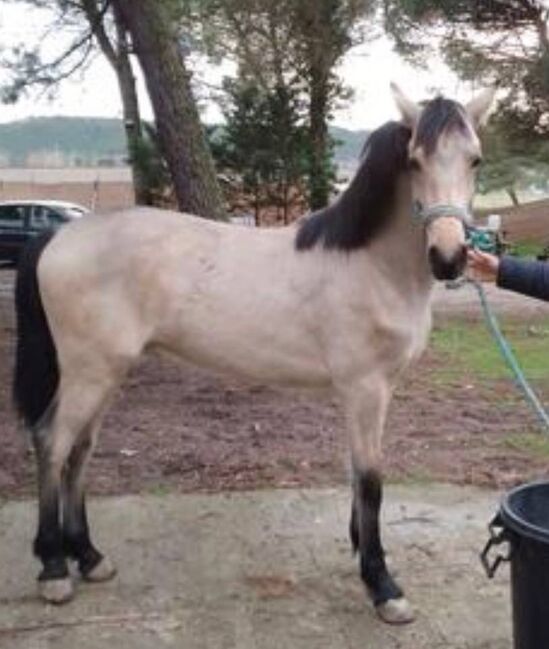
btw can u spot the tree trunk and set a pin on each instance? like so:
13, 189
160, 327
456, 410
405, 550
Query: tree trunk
513, 195
118, 55
130, 107
184, 147
319, 156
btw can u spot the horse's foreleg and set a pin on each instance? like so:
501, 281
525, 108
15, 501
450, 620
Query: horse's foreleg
366, 412
76, 534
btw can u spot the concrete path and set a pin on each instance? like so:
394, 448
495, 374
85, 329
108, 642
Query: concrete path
262, 570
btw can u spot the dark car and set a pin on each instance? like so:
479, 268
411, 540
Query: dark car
22, 220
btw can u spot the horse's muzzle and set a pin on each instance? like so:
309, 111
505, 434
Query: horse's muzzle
445, 268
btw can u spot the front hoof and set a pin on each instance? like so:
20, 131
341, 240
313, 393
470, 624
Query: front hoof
396, 611
56, 591
103, 571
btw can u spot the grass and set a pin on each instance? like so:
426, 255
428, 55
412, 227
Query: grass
467, 348
527, 248
529, 442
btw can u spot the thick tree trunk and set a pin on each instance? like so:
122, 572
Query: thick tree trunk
184, 147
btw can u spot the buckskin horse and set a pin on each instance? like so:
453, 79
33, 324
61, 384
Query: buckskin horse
340, 300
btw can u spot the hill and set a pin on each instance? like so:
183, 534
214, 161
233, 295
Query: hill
74, 140
54, 141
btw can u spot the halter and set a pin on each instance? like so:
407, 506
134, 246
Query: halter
478, 238
429, 214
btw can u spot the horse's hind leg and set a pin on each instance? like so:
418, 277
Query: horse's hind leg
54, 581
78, 403
366, 411
76, 534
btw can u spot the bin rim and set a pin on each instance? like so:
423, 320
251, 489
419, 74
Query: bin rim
516, 523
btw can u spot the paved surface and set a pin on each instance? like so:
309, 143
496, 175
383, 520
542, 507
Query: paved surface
262, 570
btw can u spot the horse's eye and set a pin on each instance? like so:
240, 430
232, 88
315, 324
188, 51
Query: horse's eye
414, 165
476, 162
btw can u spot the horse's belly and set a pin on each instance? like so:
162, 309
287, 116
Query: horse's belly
280, 360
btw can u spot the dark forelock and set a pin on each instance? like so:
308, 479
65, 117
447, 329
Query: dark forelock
439, 116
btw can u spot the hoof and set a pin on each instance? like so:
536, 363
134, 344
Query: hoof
396, 611
56, 591
103, 571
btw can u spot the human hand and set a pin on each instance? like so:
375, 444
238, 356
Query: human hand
482, 266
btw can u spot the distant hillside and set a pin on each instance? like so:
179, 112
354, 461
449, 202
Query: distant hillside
92, 141
349, 144
79, 140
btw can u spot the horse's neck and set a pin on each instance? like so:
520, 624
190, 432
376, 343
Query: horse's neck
400, 251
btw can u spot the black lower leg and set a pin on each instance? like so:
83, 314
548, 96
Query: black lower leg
365, 532
76, 532
76, 537
48, 544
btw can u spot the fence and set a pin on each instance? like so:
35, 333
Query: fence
100, 189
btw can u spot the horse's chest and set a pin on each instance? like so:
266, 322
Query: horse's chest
399, 341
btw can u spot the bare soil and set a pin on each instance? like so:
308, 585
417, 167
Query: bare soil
178, 427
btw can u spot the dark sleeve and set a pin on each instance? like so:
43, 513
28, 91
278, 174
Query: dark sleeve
526, 277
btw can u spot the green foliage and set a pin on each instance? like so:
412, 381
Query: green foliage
512, 162
262, 140
148, 162
289, 45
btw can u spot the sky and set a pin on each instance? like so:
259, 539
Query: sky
367, 69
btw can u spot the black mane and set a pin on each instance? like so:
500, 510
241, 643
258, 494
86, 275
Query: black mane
439, 116
359, 213
362, 210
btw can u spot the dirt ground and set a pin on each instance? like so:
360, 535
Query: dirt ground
177, 427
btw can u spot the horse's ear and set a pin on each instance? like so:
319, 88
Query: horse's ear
408, 109
478, 108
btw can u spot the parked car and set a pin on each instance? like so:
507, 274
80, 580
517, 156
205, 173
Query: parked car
22, 220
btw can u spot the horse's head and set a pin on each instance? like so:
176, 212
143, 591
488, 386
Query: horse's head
443, 154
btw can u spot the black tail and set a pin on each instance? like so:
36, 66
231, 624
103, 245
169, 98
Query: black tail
36, 375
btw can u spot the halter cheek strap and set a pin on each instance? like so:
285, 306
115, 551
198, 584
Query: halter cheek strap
429, 214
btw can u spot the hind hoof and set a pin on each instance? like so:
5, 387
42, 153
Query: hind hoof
396, 611
103, 571
56, 591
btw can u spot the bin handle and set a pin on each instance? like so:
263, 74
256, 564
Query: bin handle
497, 536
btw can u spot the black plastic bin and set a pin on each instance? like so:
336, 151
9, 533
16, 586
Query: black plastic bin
522, 524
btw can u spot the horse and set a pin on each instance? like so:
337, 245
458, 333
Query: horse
340, 300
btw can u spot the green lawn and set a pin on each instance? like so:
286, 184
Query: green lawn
464, 347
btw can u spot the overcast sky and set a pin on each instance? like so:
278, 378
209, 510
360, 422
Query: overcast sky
367, 69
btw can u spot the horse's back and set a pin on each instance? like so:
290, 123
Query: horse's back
215, 293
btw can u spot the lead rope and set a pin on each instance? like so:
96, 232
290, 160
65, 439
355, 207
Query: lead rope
509, 356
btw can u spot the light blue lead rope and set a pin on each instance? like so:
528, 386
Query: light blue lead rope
510, 357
